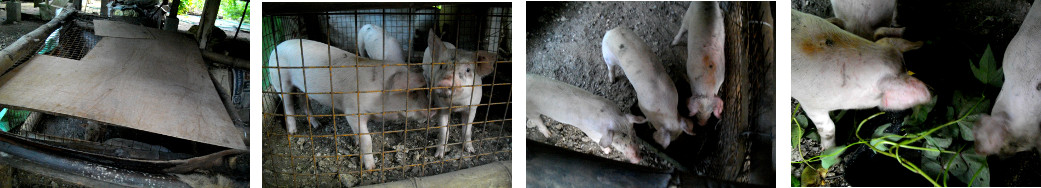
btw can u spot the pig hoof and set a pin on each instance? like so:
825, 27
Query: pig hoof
370, 162
440, 152
606, 150
314, 123
469, 147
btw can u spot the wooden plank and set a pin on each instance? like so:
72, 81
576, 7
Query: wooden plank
121, 30
159, 86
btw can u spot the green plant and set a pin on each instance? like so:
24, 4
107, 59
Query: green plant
229, 9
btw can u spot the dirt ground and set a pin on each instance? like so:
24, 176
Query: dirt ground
563, 43
954, 32
11, 32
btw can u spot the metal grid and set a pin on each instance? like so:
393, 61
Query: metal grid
313, 161
74, 38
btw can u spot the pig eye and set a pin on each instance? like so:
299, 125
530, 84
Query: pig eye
467, 70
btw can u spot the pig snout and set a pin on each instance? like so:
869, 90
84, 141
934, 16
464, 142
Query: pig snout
903, 92
447, 81
704, 107
632, 154
990, 134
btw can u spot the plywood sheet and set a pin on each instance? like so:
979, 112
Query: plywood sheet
121, 30
155, 85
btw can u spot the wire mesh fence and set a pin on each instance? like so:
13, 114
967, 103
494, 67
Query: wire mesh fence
470, 99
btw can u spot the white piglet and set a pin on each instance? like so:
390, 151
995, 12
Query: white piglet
833, 69
456, 82
596, 116
379, 46
706, 64
1014, 124
655, 91
369, 76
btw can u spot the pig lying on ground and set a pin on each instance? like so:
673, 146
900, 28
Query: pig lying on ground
461, 74
1014, 124
655, 91
705, 60
378, 46
869, 19
833, 70
596, 116
373, 78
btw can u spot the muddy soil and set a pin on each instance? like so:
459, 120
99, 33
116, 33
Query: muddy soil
954, 33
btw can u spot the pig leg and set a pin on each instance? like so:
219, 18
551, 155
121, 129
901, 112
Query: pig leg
679, 34
444, 133
468, 129
825, 127
537, 120
287, 105
611, 61
360, 125
310, 116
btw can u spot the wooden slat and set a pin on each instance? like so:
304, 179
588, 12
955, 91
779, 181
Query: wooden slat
121, 30
155, 85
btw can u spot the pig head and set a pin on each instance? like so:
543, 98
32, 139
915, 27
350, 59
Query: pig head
1014, 124
833, 69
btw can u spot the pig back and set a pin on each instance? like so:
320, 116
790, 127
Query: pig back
705, 60
569, 104
654, 88
834, 69
1020, 96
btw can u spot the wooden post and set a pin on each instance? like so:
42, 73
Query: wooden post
14, 11
209, 15
104, 8
172, 21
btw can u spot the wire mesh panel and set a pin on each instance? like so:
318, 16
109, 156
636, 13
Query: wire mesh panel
330, 88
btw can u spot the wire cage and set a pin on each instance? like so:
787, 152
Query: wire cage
329, 154
130, 150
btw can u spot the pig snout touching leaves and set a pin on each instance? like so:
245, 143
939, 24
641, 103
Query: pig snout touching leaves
597, 117
869, 19
703, 24
1014, 124
455, 75
379, 46
833, 69
367, 77
655, 91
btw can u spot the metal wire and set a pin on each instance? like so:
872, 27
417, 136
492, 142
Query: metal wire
486, 29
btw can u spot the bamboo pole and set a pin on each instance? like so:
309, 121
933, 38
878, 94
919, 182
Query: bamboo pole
23, 47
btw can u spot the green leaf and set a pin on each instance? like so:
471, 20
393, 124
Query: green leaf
801, 118
831, 156
812, 135
921, 113
795, 182
935, 143
966, 166
987, 71
965, 128
931, 166
796, 136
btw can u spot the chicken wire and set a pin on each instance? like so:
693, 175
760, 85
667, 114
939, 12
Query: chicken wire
73, 39
329, 154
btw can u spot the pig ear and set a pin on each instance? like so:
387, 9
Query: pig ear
402, 80
435, 45
718, 107
688, 126
837, 22
487, 66
903, 45
635, 119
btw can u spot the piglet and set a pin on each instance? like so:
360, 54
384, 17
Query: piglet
370, 78
455, 75
705, 59
655, 91
833, 69
1014, 124
596, 116
378, 46
869, 19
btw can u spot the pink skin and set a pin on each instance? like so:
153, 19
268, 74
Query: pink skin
461, 76
703, 24
288, 54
